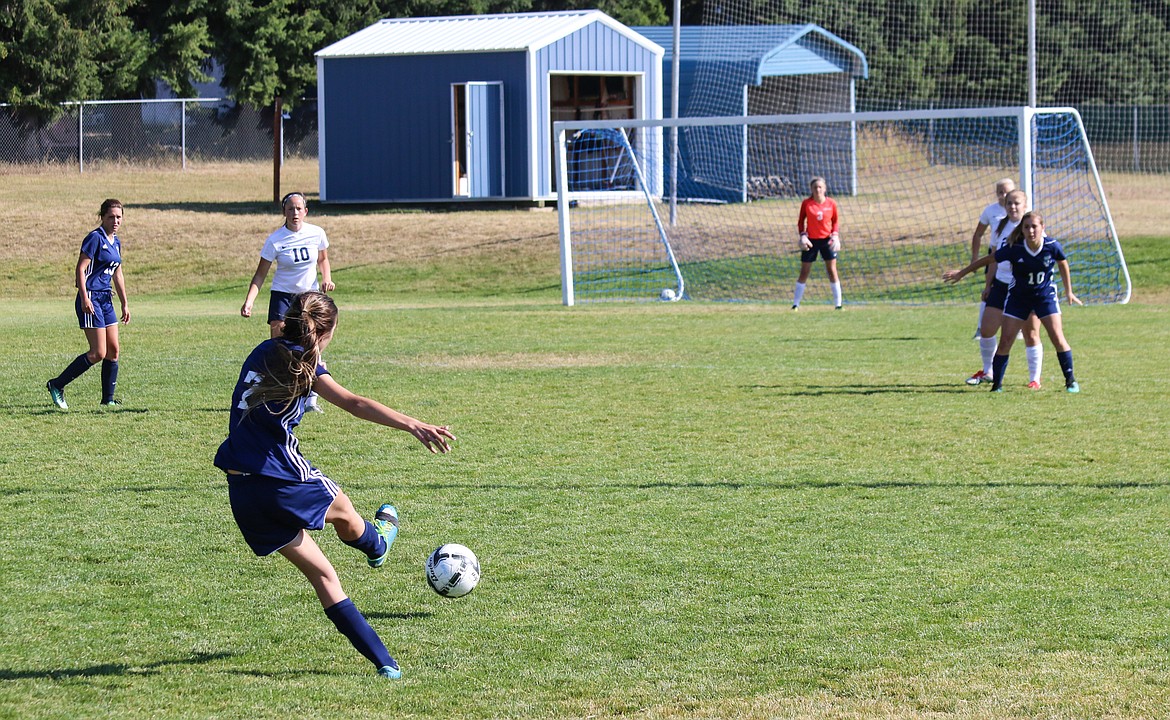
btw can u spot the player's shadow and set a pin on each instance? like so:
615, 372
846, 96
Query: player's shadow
399, 615
884, 388
108, 669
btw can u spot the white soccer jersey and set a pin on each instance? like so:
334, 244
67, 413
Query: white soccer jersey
1003, 270
294, 255
991, 215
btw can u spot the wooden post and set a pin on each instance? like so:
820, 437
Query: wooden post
277, 112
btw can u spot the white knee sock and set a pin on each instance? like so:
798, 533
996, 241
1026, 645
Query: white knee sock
1035, 355
982, 307
798, 295
987, 352
836, 293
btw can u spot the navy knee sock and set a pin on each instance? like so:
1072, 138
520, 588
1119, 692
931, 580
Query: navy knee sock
353, 625
371, 543
109, 379
1066, 366
998, 367
79, 365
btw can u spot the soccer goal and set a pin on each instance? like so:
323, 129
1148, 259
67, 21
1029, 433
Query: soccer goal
706, 207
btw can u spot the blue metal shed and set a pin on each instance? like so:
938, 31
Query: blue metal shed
730, 70
461, 108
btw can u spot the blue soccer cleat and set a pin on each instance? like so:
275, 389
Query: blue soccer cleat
1072, 387
386, 523
57, 395
391, 671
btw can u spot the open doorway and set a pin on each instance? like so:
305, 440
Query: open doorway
477, 139
591, 97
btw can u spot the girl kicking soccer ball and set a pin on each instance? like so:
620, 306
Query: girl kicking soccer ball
276, 494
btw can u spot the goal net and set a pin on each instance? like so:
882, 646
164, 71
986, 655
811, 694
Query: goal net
715, 219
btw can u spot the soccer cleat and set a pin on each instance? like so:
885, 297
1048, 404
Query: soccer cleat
386, 523
795, 307
57, 394
1072, 387
391, 671
978, 334
838, 307
1034, 385
315, 408
112, 402
997, 388
979, 377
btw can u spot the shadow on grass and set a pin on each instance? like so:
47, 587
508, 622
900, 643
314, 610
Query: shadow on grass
202, 208
818, 390
108, 669
398, 616
41, 410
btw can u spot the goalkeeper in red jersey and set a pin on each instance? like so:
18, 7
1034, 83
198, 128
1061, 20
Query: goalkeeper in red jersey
818, 225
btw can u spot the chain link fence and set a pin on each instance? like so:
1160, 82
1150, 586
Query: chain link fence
172, 133
156, 133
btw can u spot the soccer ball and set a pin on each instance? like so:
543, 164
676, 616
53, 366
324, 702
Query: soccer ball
668, 295
452, 570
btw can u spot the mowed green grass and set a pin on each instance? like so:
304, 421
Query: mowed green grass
682, 511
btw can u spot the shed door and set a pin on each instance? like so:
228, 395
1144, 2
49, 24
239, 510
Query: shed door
477, 147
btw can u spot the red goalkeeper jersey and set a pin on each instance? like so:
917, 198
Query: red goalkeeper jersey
818, 220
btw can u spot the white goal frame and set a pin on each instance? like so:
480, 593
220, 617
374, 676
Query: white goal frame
651, 166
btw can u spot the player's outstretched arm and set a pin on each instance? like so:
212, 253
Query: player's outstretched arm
954, 276
327, 285
1066, 280
434, 437
254, 286
977, 240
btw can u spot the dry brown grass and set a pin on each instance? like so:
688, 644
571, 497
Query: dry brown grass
205, 225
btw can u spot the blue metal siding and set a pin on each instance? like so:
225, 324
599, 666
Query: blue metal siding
595, 48
388, 124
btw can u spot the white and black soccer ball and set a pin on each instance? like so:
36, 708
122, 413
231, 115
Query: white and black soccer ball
452, 570
667, 295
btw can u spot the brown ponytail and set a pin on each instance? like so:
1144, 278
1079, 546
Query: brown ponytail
292, 368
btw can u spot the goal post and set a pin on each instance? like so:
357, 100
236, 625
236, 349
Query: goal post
910, 186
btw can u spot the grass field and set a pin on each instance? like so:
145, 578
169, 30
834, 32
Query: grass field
682, 511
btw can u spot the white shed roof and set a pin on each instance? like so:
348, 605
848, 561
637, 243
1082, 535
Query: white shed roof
470, 34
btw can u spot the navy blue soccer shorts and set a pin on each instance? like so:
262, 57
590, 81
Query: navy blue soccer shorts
997, 295
278, 305
103, 311
271, 512
824, 248
1023, 301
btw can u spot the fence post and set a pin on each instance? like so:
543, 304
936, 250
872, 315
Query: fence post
183, 134
81, 137
1137, 151
277, 111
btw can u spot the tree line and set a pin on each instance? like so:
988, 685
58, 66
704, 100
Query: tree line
957, 51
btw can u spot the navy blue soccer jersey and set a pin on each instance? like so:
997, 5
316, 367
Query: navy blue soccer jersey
261, 440
105, 255
1030, 270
